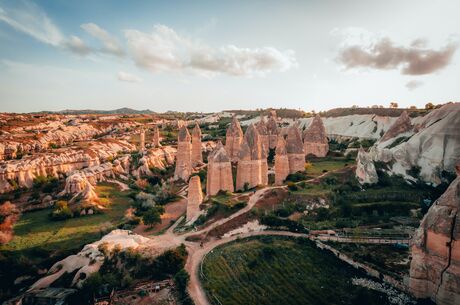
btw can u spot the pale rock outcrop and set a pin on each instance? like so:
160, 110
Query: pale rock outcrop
156, 137
315, 139
252, 167
197, 155
219, 176
401, 125
233, 139
24, 171
184, 155
435, 265
90, 259
281, 161
433, 146
194, 199
295, 150
273, 130
365, 168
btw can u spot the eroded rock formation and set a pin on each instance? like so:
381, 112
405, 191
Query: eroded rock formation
194, 199
233, 139
435, 266
219, 176
263, 134
184, 155
295, 151
197, 156
365, 168
315, 139
252, 161
156, 137
273, 130
401, 125
142, 139
281, 161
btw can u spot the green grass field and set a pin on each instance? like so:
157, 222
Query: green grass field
276, 270
327, 164
36, 232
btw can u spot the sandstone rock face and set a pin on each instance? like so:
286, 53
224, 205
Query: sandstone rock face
219, 176
433, 145
435, 266
156, 137
197, 156
252, 164
273, 130
281, 161
315, 139
295, 150
184, 155
233, 139
142, 139
194, 198
401, 125
365, 168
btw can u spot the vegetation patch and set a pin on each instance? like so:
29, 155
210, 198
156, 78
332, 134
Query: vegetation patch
276, 270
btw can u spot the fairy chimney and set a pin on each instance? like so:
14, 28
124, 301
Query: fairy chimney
281, 161
252, 167
197, 156
401, 125
294, 149
142, 139
263, 134
183, 155
219, 176
194, 198
233, 139
156, 137
315, 139
273, 130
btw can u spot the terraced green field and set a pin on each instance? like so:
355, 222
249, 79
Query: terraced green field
277, 270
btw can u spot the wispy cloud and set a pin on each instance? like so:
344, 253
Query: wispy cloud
384, 54
127, 77
76, 45
110, 43
413, 84
28, 18
166, 50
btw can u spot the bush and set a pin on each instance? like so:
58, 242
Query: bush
292, 186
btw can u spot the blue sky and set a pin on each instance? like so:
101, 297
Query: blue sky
215, 55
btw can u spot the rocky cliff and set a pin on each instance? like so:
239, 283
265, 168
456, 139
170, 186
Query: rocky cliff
435, 266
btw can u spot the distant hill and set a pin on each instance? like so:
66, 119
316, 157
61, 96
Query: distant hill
390, 112
124, 110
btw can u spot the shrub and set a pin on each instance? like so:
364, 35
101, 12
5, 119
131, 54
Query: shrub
292, 186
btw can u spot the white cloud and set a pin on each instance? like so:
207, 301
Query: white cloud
166, 50
110, 43
76, 45
28, 18
127, 77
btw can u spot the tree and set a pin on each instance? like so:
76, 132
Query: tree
429, 106
393, 105
151, 216
413, 107
9, 214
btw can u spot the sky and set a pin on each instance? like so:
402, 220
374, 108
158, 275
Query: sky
214, 55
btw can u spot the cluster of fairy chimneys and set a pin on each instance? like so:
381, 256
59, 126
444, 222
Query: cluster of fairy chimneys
155, 138
250, 151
